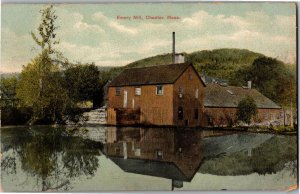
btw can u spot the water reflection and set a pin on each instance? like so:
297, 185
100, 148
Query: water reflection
170, 153
178, 154
48, 155
51, 159
244, 154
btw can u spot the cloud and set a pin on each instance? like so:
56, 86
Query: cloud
196, 18
256, 31
99, 16
122, 28
70, 22
96, 37
80, 25
85, 53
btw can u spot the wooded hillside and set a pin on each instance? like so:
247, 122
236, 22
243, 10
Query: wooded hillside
272, 77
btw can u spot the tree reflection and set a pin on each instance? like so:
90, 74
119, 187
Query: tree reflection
52, 156
272, 156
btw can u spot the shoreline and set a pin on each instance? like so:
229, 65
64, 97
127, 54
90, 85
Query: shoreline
251, 129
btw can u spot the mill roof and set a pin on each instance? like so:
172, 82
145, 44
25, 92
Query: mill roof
229, 96
150, 167
162, 74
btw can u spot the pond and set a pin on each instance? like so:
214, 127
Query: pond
42, 158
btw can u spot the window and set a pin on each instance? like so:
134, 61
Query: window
138, 91
159, 90
180, 113
180, 92
190, 76
196, 93
196, 113
118, 91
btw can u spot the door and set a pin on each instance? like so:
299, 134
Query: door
125, 99
132, 103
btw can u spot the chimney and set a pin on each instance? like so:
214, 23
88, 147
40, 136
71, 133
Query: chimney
249, 84
173, 51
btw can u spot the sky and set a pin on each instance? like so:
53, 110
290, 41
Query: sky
93, 33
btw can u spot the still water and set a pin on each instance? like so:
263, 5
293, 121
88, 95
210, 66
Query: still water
108, 158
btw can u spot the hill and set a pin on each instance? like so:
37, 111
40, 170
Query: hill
235, 66
221, 63
7, 75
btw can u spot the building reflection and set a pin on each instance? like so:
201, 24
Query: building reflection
169, 153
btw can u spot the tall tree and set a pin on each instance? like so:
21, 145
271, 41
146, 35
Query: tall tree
271, 77
46, 29
40, 81
267, 75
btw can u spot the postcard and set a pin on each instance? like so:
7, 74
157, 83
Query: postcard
149, 97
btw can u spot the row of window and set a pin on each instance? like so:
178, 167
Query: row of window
138, 90
159, 91
271, 116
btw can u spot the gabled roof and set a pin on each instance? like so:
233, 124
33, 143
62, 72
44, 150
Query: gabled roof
230, 96
162, 74
150, 167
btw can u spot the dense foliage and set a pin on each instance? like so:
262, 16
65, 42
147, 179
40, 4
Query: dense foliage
8, 91
272, 77
41, 90
246, 109
11, 113
83, 83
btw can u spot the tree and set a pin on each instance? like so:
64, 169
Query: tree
271, 77
8, 91
40, 87
274, 79
48, 100
11, 113
83, 83
246, 109
46, 30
